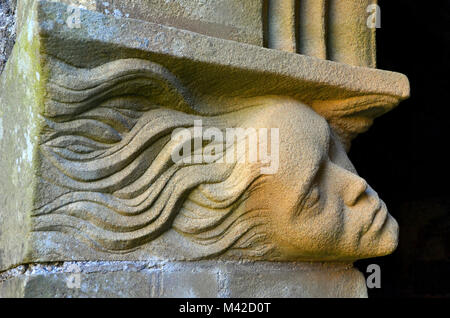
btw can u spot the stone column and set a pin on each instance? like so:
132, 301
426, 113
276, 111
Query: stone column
350, 39
281, 25
312, 17
115, 169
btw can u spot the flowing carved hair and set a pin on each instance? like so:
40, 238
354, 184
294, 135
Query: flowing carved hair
108, 144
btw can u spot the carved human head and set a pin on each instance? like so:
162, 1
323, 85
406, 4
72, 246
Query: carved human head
110, 148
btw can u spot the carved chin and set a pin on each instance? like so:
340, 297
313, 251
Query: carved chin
383, 242
389, 237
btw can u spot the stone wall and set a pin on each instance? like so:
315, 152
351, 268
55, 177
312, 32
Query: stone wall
7, 30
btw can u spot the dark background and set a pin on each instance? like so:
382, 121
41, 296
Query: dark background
404, 155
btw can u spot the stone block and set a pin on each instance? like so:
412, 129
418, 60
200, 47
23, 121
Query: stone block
183, 280
297, 280
235, 20
89, 107
57, 73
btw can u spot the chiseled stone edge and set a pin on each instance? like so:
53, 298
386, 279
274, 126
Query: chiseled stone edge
206, 279
316, 73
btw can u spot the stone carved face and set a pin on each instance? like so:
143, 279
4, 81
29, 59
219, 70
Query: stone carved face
107, 158
320, 209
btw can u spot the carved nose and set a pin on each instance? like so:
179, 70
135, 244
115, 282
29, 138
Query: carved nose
354, 187
356, 190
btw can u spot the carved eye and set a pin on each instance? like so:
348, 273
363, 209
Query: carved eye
310, 202
312, 198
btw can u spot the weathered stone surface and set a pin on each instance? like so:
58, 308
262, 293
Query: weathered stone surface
312, 34
19, 100
92, 115
350, 40
227, 19
185, 280
89, 171
338, 31
281, 27
235, 20
297, 280
7, 30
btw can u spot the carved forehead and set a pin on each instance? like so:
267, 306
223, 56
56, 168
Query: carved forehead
301, 123
314, 143
305, 138
314, 124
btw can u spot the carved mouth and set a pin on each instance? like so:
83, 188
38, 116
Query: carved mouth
379, 218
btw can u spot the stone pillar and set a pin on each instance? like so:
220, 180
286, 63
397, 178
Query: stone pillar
281, 25
350, 39
115, 155
312, 17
